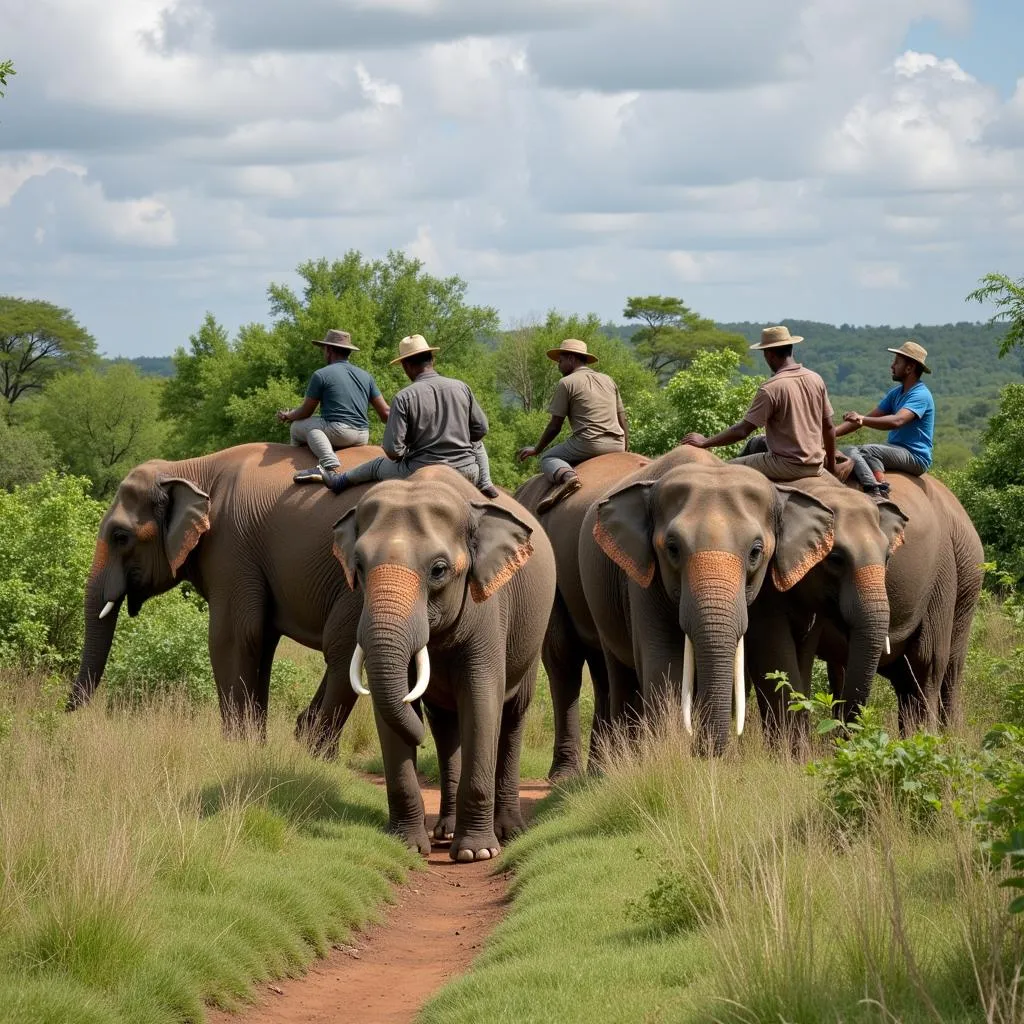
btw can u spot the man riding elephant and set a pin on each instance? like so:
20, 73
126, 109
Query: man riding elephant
343, 391
434, 421
908, 412
593, 405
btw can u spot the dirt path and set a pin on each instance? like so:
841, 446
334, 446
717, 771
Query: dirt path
431, 934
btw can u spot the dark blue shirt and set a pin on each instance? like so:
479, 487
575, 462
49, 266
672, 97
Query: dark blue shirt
917, 436
344, 391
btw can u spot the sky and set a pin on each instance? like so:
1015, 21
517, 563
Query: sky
761, 159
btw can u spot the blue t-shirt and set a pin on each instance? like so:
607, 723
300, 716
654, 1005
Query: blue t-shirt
344, 391
918, 435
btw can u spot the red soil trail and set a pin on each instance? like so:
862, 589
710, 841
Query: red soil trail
432, 934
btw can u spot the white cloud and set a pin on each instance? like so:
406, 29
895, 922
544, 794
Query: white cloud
763, 158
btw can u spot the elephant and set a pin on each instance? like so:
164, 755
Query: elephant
571, 640
844, 593
256, 547
455, 594
933, 583
671, 559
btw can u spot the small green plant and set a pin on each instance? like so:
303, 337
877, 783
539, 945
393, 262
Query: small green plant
1000, 820
676, 902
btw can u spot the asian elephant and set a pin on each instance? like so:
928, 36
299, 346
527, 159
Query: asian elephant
845, 592
933, 582
254, 545
455, 593
571, 640
670, 561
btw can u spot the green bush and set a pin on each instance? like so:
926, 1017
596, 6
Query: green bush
26, 455
47, 535
1000, 819
162, 652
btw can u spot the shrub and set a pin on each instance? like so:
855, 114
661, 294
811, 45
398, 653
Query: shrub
1000, 819
47, 536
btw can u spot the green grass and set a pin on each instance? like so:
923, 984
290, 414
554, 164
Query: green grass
686, 890
148, 868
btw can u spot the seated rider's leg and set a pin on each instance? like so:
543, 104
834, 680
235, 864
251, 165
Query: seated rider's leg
299, 429
894, 459
341, 435
483, 463
311, 432
756, 445
367, 473
861, 470
779, 470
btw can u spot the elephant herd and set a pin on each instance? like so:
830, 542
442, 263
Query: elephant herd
681, 577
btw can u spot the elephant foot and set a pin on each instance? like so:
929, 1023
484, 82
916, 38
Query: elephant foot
444, 830
564, 770
474, 847
414, 840
508, 824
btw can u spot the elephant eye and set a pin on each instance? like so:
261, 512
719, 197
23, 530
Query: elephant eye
756, 550
120, 536
672, 548
438, 571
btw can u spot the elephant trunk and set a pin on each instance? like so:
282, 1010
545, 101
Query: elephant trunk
714, 623
102, 605
388, 654
866, 608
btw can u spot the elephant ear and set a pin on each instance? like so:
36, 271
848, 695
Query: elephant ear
623, 531
186, 519
893, 521
500, 547
344, 546
805, 535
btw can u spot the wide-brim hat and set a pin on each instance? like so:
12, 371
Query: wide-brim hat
572, 347
776, 337
911, 350
413, 345
337, 339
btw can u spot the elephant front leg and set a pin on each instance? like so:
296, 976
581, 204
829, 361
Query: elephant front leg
236, 645
444, 724
480, 711
405, 802
562, 654
508, 814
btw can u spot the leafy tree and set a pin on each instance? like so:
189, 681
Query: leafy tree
1008, 296
103, 422
26, 455
706, 397
37, 341
673, 333
6, 71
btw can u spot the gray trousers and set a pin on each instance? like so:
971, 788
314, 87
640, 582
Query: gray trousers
322, 438
868, 459
756, 456
477, 473
572, 452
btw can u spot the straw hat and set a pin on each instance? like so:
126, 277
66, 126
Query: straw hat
413, 345
911, 350
775, 337
574, 347
337, 339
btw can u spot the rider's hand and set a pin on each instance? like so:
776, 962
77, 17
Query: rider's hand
282, 415
526, 453
854, 417
694, 440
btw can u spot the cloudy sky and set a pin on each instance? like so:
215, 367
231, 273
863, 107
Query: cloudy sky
836, 160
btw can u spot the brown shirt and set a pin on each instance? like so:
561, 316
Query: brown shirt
791, 406
592, 403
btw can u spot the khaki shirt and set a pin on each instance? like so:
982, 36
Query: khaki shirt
791, 406
592, 403
434, 420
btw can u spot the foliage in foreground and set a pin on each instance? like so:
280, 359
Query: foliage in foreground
148, 868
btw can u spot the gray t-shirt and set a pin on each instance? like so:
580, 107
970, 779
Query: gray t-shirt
434, 420
344, 391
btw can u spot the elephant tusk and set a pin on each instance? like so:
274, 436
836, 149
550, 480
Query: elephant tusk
688, 672
107, 609
422, 676
355, 672
739, 687
888, 647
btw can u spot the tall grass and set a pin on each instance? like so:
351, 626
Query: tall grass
677, 888
148, 867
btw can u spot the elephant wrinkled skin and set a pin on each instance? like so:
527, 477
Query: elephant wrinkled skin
258, 550
455, 593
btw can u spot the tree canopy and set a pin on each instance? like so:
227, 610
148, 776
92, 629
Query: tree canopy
673, 334
6, 71
37, 341
1008, 295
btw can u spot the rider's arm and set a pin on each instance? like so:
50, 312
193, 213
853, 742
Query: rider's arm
380, 407
396, 430
828, 437
302, 412
620, 412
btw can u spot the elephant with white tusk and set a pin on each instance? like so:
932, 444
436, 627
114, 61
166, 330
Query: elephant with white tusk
455, 593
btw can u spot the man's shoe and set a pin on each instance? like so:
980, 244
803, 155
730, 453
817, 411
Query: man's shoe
309, 476
490, 491
562, 491
336, 482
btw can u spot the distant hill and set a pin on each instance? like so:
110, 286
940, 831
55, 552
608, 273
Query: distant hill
149, 366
